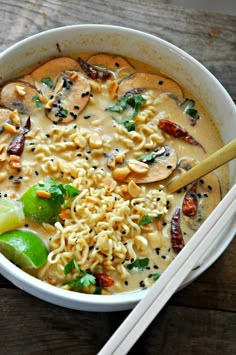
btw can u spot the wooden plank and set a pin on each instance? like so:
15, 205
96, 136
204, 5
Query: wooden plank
210, 38
31, 326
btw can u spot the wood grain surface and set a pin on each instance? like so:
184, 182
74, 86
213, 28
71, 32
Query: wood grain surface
200, 319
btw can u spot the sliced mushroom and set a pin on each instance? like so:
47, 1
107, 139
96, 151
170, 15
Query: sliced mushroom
19, 96
208, 192
52, 69
155, 166
148, 81
70, 96
112, 62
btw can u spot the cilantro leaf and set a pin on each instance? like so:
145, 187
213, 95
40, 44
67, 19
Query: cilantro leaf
187, 106
48, 81
145, 220
158, 216
37, 102
59, 191
156, 276
84, 280
139, 264
135, 102
147, 158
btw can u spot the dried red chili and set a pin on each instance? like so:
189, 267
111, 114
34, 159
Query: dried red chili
190, 201
93, 71
177, 240
104, 280
177, 131
16, 146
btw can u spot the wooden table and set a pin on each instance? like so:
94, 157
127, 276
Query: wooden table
201, 318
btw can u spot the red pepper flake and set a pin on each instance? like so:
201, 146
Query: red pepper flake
104, 280
177, 240
190, 201
177, 131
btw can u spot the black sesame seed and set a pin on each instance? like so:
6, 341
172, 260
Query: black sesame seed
157, 251
85, 94
132, 260
117, 64
169, 166
26, 225
86, 117
201, 181
76, 107
160, 82
205, 195
164, 224
155, 267
209, 187
33, 149
126, 283
199, 195
11, 177
36, 173
158, 199
150, 275
163, 257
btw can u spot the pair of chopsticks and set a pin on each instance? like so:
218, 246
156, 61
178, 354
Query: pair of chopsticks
146, 310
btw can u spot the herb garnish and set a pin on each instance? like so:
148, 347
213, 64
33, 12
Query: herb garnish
187, 106
59, 192
145, 220
37, 102
139, 264
48, 81
147, 158
156, 276
84, 279
126, 101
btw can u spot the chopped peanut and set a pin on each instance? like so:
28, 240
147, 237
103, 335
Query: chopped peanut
133, 189
96, 87
20, 90
14, 116
49, 104
80, 141
138, 166
3, 176
120, 158
9, 128
74, 75
32, 134
159, 225
112, 88
121, 173
65, 214
95, 141
109, 184
141, 244
44, 194
43, 99
155, 239
15, 162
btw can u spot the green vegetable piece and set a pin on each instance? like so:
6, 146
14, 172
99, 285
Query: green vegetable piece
147, 158
37, 102
48, 81
139, 264
145, 220
156, 276
187, 106
135, 102
85, 279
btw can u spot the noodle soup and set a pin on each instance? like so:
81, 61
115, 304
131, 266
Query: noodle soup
107, 133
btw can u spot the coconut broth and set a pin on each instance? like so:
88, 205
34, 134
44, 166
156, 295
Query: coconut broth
95, 119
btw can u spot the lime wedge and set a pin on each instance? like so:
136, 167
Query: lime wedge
38, 209
11, 214
24, 248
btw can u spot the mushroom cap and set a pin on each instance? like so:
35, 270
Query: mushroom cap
11, 99
112, 62
160, 167
148, 81
70, 96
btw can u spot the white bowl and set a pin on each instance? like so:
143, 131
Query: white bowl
154, 51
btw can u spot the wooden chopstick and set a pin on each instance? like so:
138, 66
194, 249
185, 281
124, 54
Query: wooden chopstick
146, 310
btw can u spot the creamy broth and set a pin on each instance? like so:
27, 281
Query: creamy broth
85, 153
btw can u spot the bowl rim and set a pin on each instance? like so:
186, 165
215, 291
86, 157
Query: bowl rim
80, 301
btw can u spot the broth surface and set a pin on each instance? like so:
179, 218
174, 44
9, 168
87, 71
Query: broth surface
103, 229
